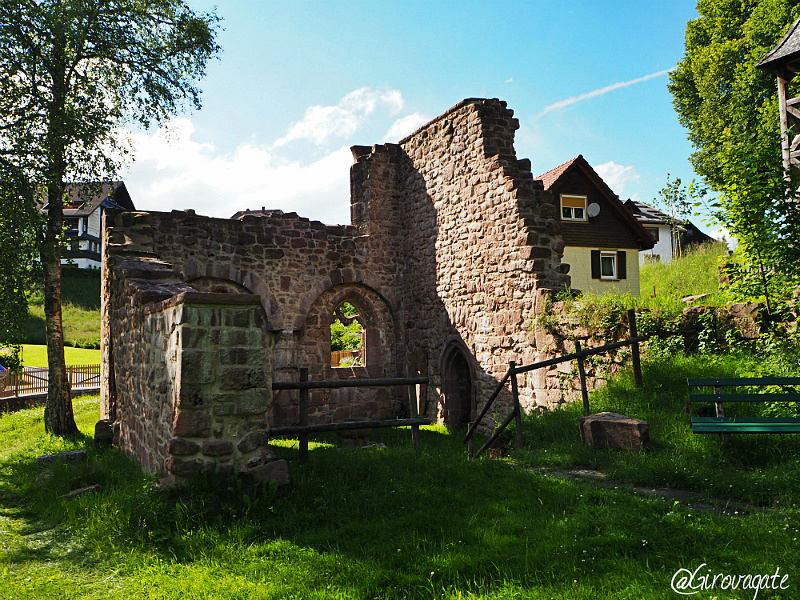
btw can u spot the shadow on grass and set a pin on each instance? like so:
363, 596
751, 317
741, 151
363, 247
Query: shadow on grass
382, 523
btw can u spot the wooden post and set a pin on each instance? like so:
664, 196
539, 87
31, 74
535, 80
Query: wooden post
719, 410
303, 437
635, 358
515, 395
413, 413
582, 377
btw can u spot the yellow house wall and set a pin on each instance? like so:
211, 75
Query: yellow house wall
580, 261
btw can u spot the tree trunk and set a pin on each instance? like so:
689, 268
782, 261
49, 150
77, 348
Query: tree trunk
58, 417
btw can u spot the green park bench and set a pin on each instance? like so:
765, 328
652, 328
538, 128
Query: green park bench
723, 425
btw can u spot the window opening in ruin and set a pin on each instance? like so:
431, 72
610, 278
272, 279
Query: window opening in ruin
347, 337
573, 208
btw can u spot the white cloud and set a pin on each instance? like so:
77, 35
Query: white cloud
617, 176
405, 126
598, 92
174, 171
321, 123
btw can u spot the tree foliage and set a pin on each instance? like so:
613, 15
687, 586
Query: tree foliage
721, 98
18, 222
346, 330
730, 110
71, 73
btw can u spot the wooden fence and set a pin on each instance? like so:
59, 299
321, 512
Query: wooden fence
34, 380
579, 355
351, 358
302, 429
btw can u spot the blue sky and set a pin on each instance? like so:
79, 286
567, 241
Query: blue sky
298, 83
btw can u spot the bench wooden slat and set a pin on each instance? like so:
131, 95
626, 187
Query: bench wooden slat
724, 425
728, 381
746, 425
744, 397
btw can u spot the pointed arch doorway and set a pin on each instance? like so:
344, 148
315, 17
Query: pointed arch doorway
457, 388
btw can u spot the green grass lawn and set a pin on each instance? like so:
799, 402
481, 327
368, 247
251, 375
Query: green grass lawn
80, 293
694, 273
36, 356
387, 523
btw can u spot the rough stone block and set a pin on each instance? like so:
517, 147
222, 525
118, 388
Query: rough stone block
192, 423
236, 317
103, 433
241, 356
217, 448
184, 468
241, 378
253, 441
198, 366
252, 402
266, 455
62, 456
192, 397
615, 431
277, 470
179, 447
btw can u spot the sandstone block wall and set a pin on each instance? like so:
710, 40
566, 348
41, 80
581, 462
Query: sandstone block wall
452, 249
483, 246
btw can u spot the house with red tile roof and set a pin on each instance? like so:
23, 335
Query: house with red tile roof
602, 239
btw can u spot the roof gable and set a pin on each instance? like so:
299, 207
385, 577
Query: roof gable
82, 199
784, 58
554, 177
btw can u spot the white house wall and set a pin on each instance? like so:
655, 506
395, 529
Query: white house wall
663, 247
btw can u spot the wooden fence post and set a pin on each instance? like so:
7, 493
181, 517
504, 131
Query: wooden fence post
303, 437
412, 408
582, 377
512, 365
637, 366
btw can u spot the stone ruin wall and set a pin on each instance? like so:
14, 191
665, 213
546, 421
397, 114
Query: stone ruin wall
453, 245
483, 247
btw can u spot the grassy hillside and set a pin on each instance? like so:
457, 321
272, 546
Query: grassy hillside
692, 274
80, 291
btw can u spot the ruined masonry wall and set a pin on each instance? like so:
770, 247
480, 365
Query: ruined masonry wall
483, 244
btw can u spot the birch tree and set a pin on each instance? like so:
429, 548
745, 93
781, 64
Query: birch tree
72, 72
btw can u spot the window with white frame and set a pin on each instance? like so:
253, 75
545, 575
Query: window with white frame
608, 265
573, 208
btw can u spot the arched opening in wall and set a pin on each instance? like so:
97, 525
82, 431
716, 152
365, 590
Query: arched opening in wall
348, 335
456, 388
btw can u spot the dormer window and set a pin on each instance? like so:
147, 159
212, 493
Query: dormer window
573, 208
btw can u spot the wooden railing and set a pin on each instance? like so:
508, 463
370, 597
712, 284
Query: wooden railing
579, 355
34, 380
302, 429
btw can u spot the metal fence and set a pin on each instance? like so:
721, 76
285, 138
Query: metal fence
33, 380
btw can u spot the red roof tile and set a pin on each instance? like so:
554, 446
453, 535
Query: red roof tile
553, 175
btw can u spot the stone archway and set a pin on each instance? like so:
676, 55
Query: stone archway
457, 387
